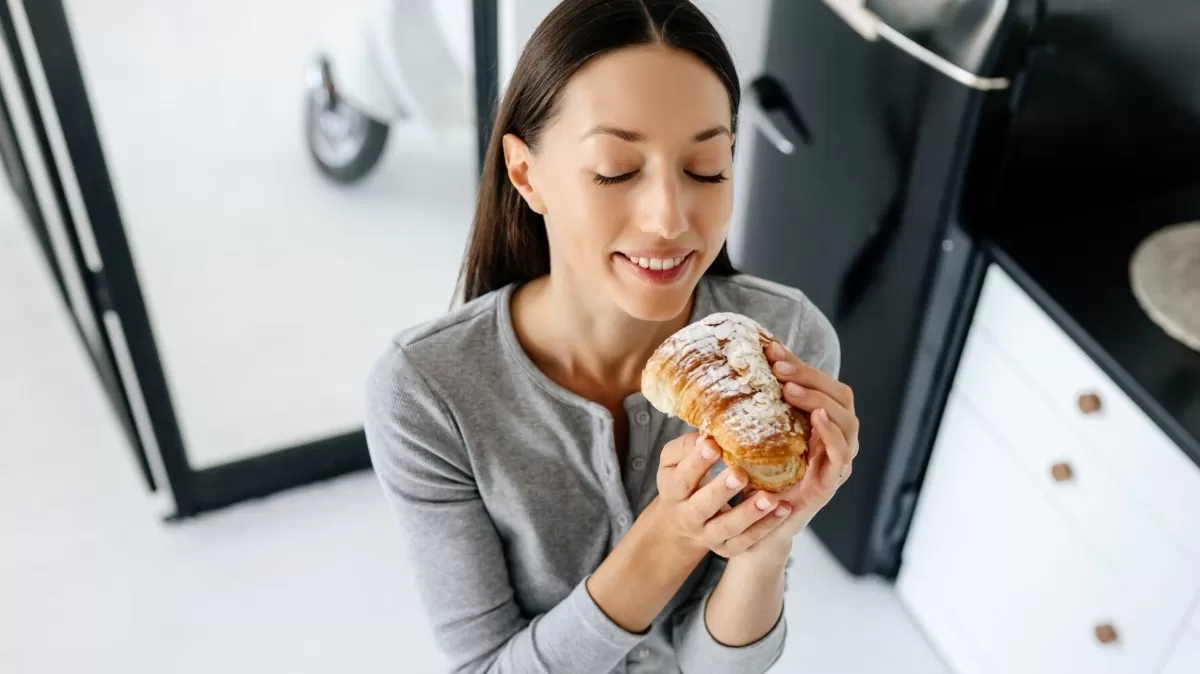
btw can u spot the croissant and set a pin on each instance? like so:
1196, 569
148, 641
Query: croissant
714, 375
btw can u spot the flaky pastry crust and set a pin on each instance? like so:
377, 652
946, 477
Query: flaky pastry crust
714, 375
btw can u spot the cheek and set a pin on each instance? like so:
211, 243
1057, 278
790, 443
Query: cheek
583, 219
712, 209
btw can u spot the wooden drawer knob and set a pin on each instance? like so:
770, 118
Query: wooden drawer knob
1061, 472
1106, 633
1089, 403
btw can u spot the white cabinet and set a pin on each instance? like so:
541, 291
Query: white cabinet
1056, 529
1186, 657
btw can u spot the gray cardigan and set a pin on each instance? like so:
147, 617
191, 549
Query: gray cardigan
507, 488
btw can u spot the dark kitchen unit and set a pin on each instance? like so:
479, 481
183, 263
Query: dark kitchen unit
883, 187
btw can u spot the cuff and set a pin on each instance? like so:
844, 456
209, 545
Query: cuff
597, 622
699, 651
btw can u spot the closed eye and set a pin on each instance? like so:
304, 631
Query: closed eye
698, 177
613, 180
717, 178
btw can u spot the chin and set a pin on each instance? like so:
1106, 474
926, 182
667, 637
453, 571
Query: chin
657, 309
655, 305
654, 297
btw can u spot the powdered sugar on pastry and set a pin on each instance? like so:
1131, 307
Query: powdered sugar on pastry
723, 354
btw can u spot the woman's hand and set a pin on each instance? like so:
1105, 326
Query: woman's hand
832, 445
697, 513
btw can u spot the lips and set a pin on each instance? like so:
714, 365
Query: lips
658, 268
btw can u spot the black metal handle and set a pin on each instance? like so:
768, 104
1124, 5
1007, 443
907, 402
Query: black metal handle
777, 116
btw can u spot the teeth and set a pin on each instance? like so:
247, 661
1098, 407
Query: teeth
658, 263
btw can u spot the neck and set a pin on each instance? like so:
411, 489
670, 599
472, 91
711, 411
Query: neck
575, 336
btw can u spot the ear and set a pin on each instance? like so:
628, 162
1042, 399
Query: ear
519, 160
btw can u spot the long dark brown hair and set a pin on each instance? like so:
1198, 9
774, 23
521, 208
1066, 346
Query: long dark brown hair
508, 241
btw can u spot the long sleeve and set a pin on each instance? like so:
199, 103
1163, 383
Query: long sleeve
695, 647
456, 552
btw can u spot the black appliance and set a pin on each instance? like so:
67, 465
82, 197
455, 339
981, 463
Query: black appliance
883, 185
863, 205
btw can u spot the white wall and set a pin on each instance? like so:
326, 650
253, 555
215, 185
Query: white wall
743, 24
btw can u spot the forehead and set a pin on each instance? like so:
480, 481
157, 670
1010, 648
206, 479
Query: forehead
656, 90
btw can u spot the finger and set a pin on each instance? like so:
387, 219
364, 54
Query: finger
737, 521
788, 367
807, 496
707, 500
681, 481
810, 400
836, 445
756, 531
836, 449
807, 493
676, 450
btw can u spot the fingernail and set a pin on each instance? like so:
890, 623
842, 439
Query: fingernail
777, 350
794, 389
707, 451
733, 482
785, 368
783, 511
763, 503
820, 417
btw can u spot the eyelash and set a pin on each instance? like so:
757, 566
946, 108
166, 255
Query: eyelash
613, 180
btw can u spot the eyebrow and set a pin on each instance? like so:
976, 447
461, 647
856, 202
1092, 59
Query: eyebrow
635, 137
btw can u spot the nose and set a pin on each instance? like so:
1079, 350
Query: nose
664, 212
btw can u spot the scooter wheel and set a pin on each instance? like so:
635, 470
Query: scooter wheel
344, 143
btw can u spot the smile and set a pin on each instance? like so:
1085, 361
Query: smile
661, 271
657, 263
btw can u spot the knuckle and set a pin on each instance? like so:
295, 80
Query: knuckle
828, 490
720, 530
691, 518
738, 545
678, 447
679, 483
686, 442
666, 487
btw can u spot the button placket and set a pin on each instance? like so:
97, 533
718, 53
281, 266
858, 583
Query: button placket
606, 457
614, 486
637, 449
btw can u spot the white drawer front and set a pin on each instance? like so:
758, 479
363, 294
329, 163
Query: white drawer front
1150, 465
988, 556
1083, 485
1186, 658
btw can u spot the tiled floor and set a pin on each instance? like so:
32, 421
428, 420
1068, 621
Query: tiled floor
310, 581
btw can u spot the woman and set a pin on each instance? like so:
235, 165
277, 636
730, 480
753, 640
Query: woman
557, 523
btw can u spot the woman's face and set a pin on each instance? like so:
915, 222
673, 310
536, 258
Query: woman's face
634, 178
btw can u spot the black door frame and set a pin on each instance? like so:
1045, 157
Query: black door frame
118, 290
100, 354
